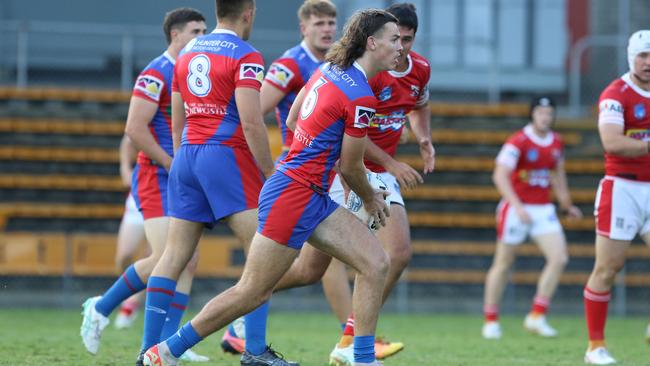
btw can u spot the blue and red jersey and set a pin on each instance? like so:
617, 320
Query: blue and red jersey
337, 102
207, 73
289, 74
154, 84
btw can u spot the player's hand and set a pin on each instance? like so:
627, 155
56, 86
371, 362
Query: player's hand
523, 215
377, 207
573, 212
167, 164
406, 176
428, 154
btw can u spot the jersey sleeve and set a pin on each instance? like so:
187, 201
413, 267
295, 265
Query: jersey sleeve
175, 81
284, 74
150, 85
423, 99
358, 115
250, 71
610, 108
510, 153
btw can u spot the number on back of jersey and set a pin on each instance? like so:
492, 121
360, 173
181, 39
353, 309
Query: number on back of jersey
311, 99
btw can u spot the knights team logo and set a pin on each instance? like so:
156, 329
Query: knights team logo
532, 155
385, 94
280, 75
251, 71
150, 85
363, 116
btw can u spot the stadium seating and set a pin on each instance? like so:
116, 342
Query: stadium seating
63, 198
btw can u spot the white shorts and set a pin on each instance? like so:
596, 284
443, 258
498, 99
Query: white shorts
131, 213
622, 208
337, 195
510, 229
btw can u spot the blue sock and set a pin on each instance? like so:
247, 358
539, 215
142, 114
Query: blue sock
343, 327
364, 348
174, 315
184, 339
128, 284
255, 322
160, 292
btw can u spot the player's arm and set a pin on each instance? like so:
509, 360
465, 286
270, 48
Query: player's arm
354, 172
128, 155
561, 190
141, 112
292, 117
616, 143
505, 163
420, 119
178, 119
270, 96
250, 115
405, 175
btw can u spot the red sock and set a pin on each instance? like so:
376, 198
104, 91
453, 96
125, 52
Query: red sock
349, 327
596, 313
129, 306
540, 305
491, 313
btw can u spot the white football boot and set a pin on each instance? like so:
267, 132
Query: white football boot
93, 325
599, 356
192, 356
342, 356
491, 330
539, 326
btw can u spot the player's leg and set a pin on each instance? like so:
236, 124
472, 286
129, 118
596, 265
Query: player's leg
336, 286
495, 283
307, 269
370, 262
553, 247
267, 261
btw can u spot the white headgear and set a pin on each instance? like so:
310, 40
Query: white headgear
639, 42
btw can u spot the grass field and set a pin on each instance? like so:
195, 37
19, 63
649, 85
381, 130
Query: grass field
51, 337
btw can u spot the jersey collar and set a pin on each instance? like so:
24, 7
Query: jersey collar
397, 74
628, 80
169, 57
358, 66
224, 31
304, 46
541, 141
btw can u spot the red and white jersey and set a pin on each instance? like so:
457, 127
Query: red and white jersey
398, 94
624, 103
531, 159
206, 74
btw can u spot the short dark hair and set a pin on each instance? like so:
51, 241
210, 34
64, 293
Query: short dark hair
360, 26
540, 101
178, 18
405, 14
230, 9
316, 7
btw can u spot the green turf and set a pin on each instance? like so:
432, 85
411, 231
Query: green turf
51, 337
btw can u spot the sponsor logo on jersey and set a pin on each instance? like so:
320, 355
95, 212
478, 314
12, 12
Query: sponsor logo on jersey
536, 177
415, 90
218, 43
532, 155
639, 111
303, 137
611, 105
639, 134
335, 73
363, 116
150, 85
385, 94
280, 75
206, 108
395, 120
557, 154
251, 71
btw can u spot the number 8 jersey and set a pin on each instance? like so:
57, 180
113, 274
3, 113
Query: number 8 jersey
206, 73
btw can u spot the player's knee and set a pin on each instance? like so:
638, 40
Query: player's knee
606, 272
378, 265
400, 257
559, 261
192, 265
311, 275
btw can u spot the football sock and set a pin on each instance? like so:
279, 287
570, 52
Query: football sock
364, 348
491, 313
160, 292
596, 315
184, 339
129, 306
348, 333
174, 315
540, 305
255, 323
128, 284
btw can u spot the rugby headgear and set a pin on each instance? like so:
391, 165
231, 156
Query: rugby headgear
639, 42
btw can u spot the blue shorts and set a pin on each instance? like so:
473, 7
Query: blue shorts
289, 211
149, 189
210, 182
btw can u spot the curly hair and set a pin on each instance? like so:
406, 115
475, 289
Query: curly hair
352, 45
